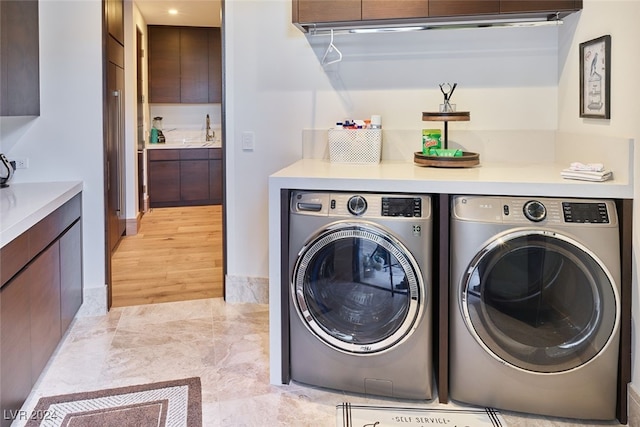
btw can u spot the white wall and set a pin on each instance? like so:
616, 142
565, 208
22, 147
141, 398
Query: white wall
617, 18
65, 142
276, 87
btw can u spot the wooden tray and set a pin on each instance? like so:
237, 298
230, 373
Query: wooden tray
467, 160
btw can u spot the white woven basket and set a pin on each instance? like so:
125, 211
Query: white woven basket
355, 145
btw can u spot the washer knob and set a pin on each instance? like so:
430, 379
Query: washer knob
357, 205
534, 211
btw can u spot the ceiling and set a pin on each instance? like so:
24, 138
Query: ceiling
192, 13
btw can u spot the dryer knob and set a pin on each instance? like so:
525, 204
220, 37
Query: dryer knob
357, 205
534, 211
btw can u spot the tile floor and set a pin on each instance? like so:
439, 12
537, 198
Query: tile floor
226, 345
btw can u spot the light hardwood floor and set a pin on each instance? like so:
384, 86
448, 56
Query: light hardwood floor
176, 256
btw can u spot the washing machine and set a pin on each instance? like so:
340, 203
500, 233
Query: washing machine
360, 292
535, 305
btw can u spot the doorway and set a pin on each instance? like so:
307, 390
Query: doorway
177, 252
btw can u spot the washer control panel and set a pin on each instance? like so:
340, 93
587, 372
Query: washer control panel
361, 205
585, 212
402, 206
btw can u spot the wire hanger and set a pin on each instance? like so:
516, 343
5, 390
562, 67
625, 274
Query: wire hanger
330, 49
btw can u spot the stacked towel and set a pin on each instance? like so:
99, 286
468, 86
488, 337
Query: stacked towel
587, 172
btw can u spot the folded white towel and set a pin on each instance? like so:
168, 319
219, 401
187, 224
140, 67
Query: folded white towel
595, 167
587, 175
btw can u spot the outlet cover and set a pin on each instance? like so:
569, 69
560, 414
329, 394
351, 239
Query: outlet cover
21, 162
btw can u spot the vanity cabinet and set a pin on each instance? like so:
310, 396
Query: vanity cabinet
185, 65
306, 13
184, 177
41, 293
19, 58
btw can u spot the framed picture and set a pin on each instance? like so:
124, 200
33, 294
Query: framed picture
595, 78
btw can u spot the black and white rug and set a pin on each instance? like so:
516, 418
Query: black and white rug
361, 415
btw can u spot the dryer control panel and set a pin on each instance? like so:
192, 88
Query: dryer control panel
529, 211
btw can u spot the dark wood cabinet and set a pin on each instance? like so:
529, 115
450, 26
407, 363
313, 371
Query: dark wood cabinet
463, 7
327, 10
19, 58
15, 345
305, 13
70, 275
194, 66
185, 65
376, 9
114, 14
215, 66
184, 177
520, 6
215, 176
164, 64
44, 289
38, 300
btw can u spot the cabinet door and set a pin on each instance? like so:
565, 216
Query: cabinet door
215, 181
194, 65
164, 181
194, 180
115, 19
328, 10
509, 6
215, 66
70, 275
164, 64
15, 346
463, 7
19, 59
377, 9
44, 289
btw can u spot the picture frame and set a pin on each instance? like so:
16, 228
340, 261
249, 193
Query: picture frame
595, 78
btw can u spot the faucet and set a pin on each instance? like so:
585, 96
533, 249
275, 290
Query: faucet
210, 134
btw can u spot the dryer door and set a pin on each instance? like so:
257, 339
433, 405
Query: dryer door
357, 288
539, 301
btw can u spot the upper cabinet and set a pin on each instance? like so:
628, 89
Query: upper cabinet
463, 7
376, 9
518, 6
185, 65
19, 58
115, 19
315, 14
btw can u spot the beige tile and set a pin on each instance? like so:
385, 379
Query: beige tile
226, 345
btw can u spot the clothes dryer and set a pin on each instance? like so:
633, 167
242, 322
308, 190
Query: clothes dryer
535, 305
360, 292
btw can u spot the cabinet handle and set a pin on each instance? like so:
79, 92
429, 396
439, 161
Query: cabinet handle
119, 149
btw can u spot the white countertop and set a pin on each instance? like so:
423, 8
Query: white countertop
187, 144
487, 179
22, 205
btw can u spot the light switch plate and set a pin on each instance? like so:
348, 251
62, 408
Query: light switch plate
248, 141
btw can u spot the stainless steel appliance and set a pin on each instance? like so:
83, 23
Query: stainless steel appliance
7, 169
360, 292
535, 305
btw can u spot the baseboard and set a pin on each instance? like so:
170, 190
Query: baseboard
133, 225
94, 302
244, 289
634, 407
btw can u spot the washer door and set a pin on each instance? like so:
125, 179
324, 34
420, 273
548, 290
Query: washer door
357, 288
539, 301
